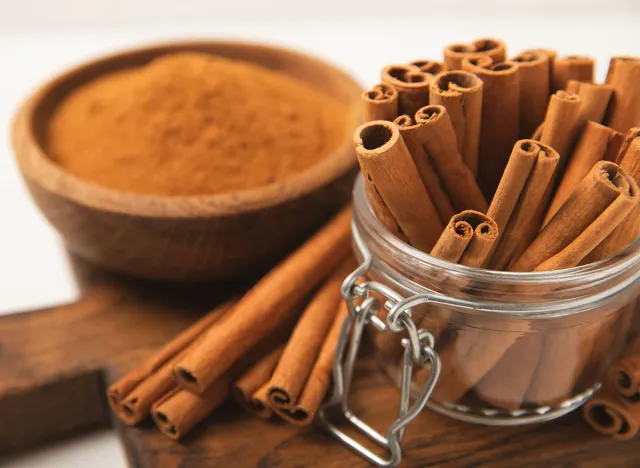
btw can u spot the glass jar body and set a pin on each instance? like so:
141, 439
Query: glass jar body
514, 347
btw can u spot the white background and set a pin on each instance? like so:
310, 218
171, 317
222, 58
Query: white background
39, 38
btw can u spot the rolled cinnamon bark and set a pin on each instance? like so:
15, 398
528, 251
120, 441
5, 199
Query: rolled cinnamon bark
250, 389
629, 230
534, 72
524, 220
467, 240
624, 109
562, 126
428, 66
305, 344
385, 160
499, 121
455, 53
595, 99
304, 411
610, 416
626, 144
439, 142
380, 103
592, 202
180, 410
412, 86
460, 93
270, 302
571, 68
381, 210
412, 135
624, 375
596, 143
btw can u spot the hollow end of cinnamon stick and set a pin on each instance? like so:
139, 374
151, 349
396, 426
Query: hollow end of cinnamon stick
279, 397
165, 425
297, 416
376, 135
405, 76
455, 81
187, 379
428, 66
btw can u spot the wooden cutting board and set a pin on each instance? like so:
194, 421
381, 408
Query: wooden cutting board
55, 364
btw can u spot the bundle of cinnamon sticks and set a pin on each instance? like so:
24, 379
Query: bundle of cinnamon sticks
258, 348
521, 164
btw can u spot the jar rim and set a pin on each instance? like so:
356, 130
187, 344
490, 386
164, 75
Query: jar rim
365, 216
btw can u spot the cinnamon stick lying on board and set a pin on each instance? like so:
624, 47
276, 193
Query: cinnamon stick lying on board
131, 397
599, 203
595, 99
180, 410
467, 240
500, 117
428, 66
460, 93
380, 103
524, 220
265, 306
596, 143
251, 389
438, 139
611, 416
385, 160
624, 78
305, 344
623, 378
412, 135
629, 230
303, 412
455, 53
571, 68
412, 86
534, 72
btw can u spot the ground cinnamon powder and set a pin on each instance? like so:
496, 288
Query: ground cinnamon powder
193, 124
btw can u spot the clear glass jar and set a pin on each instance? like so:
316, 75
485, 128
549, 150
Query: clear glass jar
515, 348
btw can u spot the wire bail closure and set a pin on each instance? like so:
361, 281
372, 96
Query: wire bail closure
418, 350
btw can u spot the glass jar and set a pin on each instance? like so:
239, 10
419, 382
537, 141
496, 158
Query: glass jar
514, 348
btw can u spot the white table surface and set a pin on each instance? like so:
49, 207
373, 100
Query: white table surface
33, 269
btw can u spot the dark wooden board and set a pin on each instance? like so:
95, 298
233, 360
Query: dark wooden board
56, 362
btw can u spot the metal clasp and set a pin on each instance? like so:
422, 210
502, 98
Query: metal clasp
418, 350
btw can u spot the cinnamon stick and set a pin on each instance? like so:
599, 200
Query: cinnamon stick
306, 342
428, 66
455, 53
439, 142
385, 160
629, 230
132, 395
250, 389
467, 240
380, 103
412, 135
180, 410
412, 86
381, 210
562, 125
304, 411
624, 375
610, 416
596, 143
589, 208
624, 78
595, 99
534, 73
266, 305
571, 68
626, 144
460, 93
524, 220
500, 117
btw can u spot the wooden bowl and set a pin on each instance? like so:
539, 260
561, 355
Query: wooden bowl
193, 237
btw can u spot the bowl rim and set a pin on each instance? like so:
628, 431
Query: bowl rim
36, 166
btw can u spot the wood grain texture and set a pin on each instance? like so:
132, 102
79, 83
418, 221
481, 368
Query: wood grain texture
196, 237
55, 363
